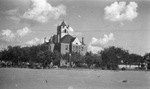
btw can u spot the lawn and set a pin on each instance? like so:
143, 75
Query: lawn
16, 78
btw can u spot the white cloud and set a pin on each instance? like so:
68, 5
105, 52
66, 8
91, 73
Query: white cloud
7, 35
23, 31
42, 11
72, 32
102, 41
2, 47
34, 41
119, 11
94, 49
70, 29
97, 44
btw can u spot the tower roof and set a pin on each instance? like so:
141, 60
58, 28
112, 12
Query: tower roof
63, 23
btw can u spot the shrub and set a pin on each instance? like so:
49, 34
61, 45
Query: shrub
123, 68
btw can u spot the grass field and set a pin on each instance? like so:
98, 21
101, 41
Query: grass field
16, 78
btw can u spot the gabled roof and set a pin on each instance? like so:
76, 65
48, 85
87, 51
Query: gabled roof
76, 41
63, 24
67, 39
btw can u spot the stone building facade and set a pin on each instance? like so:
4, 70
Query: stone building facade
64, 43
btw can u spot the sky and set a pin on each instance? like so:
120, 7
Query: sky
102, 23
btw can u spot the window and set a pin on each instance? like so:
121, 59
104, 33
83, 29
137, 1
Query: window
65, 31
82, 48
73, 48
66, 47
76, 48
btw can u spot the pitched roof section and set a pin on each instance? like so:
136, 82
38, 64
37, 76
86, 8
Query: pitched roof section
63, 24
76, 41
67, 39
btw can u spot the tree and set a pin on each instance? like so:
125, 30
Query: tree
89, 58
97, 60
48, 56
146, 59
112, 56
4, 55
41, 57
15, 53
56, 58
26, 54
65, 57
76, 58
135, 59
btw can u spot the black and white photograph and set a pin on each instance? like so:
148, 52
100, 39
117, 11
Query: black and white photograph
74, 44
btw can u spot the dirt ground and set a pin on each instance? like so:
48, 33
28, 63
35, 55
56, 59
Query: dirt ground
16, 78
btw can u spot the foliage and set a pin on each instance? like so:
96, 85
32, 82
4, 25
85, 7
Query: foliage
91, 59
110, 57
113, 56
76, 58
146, 58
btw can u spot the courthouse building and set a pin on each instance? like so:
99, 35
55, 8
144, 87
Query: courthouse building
64, 43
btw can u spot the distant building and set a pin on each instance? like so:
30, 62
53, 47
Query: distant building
64, 43
128, 66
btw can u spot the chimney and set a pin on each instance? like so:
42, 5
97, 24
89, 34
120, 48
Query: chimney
52, 39
82, 40
44, 39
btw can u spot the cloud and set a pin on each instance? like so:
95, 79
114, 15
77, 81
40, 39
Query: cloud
13, 14
2, 47
42, 11
34, 41
70, 87
97, 44
14, 18
23, 31
79, 16
72, 32
94, 49
8, 35
120, 11
102, 41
